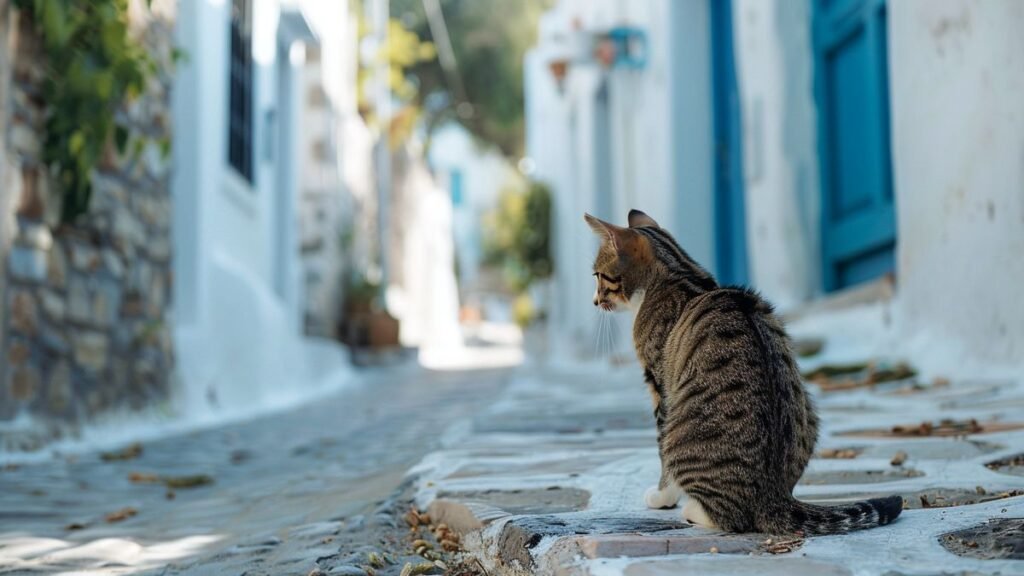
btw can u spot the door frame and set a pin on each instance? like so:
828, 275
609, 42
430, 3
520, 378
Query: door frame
729, 203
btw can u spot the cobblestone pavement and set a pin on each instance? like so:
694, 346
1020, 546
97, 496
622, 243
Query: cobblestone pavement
314, 488
551, 480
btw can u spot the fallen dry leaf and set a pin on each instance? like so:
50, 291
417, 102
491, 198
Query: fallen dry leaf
75, 526
143, 478
122, 514
839, 453
192, 481
832, 378
899, 458
129, 452
782, 546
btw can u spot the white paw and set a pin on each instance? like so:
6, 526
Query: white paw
667, 498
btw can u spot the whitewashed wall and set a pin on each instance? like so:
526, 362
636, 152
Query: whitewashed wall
772, 46
485, 172
326, 206
956, 76
660, 132
957, 87
236, 320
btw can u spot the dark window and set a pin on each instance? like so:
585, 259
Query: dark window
240, 119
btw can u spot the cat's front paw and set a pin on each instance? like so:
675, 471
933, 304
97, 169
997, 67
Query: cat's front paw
667, 498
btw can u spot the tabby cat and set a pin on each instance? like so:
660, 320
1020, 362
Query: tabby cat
735, 425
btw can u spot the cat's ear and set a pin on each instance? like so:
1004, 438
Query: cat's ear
625, 242
638, 218
608, 232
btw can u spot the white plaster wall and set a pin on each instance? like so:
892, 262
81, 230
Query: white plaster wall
772, 47
686, 59
957, 88
661, 143
238, 342
325, 206
547, 145
485, 172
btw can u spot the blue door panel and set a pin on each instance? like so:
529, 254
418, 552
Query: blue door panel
849, 135
867, 266
858, 230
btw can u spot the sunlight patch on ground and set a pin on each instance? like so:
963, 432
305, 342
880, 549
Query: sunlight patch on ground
105, 555
471, 357
488, 345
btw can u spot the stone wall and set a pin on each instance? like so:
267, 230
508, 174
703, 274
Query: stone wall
85, 324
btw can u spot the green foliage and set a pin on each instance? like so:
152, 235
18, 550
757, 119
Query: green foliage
489, 39
518, 235
92, 67
523, 310
404, 50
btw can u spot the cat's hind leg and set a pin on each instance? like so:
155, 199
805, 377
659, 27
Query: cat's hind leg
694, 513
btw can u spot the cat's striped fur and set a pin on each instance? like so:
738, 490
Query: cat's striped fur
735, 425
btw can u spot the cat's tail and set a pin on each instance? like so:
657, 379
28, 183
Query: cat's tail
814, 520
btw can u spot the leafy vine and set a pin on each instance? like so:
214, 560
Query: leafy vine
92, 67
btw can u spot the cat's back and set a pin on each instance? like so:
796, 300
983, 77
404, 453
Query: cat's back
727, 330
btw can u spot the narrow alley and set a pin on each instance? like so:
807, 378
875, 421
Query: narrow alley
271, 495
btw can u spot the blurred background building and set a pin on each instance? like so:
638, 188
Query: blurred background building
260, 194
261, 188
808, 148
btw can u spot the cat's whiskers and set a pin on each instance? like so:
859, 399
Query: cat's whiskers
612, 328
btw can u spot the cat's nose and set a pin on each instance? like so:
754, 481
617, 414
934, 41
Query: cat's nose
597, 301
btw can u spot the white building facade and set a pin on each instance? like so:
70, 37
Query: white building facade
240, 101
803, 147
474, 177
614, 138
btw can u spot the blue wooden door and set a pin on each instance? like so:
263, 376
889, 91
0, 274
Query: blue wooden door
858, 232
730, 216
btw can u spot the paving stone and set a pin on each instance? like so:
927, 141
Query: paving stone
736, 567
523, 533
636, 546
551, 500
347, 570
935, 449
561, 423
561, 465
859, 476
914, 499
1012, 465
999, 538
